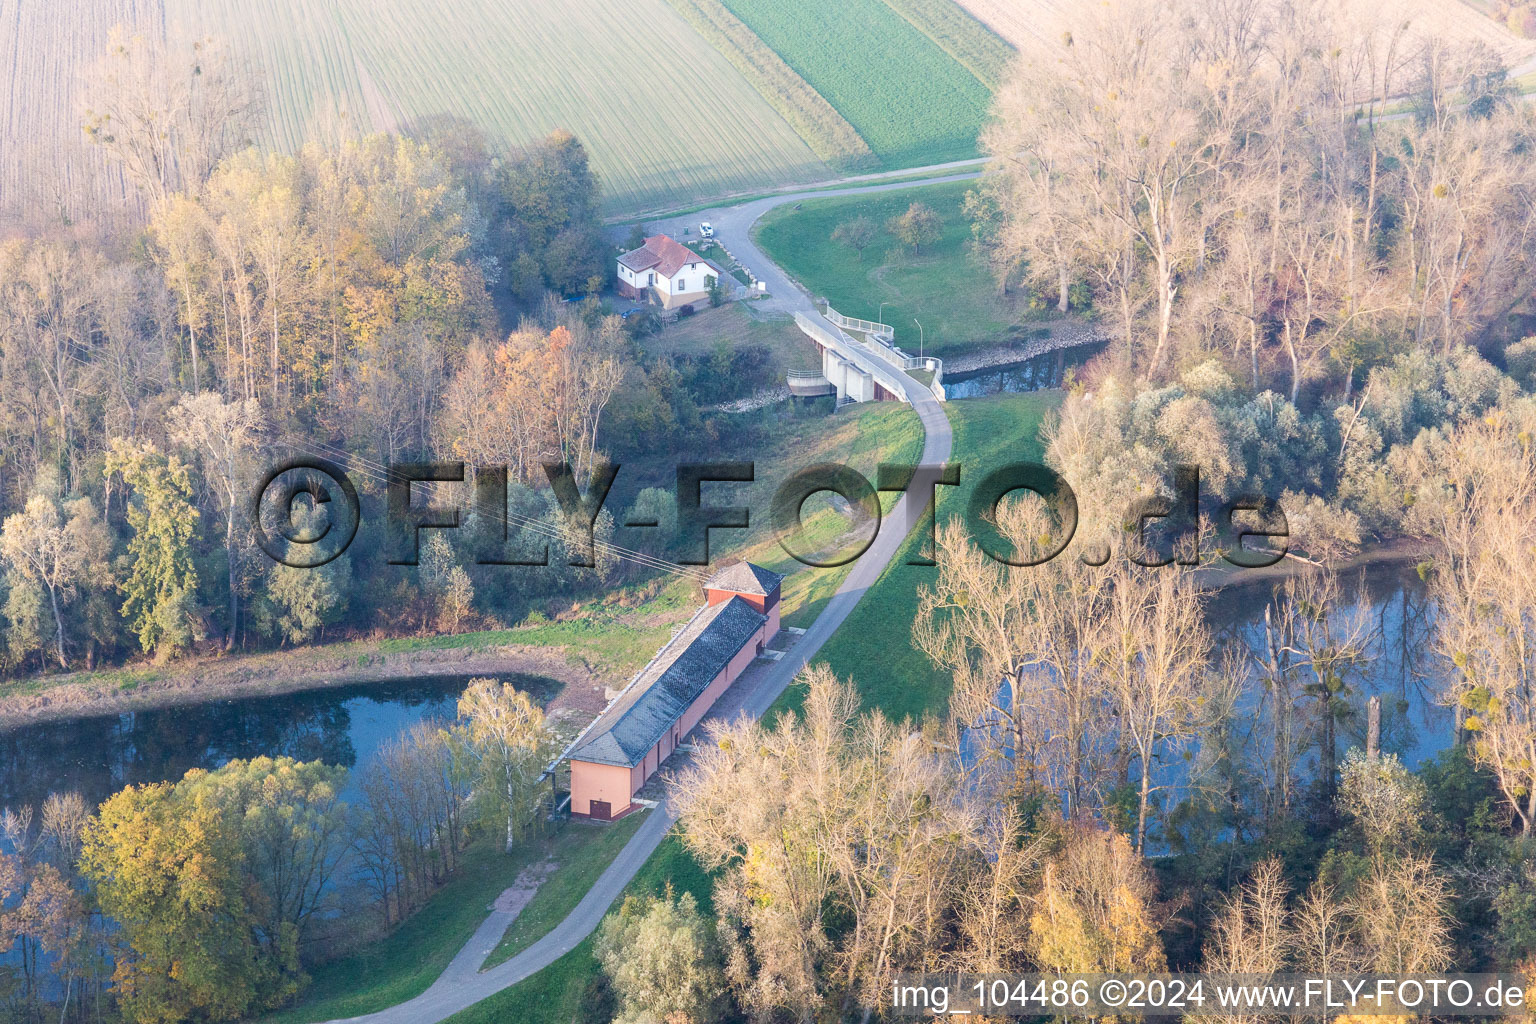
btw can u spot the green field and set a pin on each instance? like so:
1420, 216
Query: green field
959, 34
664, 115
946, 287
911, 101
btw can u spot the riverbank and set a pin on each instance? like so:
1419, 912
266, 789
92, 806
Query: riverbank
1224, 576
1046, 336
277, 673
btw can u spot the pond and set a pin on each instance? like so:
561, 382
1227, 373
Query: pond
1402, 667
1396, 618
1036, 374
345, 725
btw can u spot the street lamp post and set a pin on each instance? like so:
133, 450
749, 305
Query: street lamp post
919, 338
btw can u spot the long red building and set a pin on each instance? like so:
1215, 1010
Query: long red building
628, 742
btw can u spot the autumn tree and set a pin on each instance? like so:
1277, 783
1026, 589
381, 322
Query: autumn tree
291, 831
1021, 644
548, 216
169, 871
1319, 644
1154, 659
223, 435
836, 816
507, 746
857, 234
58, 546
161, 588
1096, 910
410, 828
168, 113
917, 227
661, 960
214, 880
1474, 495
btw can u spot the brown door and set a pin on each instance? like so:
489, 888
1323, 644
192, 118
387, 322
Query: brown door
602, 810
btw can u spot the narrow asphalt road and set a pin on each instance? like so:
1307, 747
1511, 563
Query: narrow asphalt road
458, 989
733, 229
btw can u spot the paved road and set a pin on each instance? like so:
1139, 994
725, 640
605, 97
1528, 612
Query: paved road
459, 988
920, 173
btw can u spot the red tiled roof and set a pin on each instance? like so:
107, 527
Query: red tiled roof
663, 254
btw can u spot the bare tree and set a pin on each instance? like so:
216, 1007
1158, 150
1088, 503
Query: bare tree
223, 435
168, 112
1475, 496
1020, 643
1154, 655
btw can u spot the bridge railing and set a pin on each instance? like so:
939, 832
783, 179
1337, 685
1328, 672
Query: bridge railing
873, 328
935, 366
883, 372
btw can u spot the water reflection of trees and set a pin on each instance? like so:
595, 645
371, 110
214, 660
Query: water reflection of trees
98, 756
1399, 665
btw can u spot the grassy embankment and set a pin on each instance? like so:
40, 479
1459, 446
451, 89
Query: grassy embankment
860, 437
732, 326
402, 964
874, 647
946, 287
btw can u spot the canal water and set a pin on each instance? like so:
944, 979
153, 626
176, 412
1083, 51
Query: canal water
344, 725
1043, 371
1396, 619
1401, 666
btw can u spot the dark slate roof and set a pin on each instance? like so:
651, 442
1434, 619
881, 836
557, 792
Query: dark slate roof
640, 259
745, 578
640, 716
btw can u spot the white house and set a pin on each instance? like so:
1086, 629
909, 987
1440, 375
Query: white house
677, 274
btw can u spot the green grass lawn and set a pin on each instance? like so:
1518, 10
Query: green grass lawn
402, 964
862, 437
946, 287
585, 853
873, 647
555, 994
911, 102
734, 325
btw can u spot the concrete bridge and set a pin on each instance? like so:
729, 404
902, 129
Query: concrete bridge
861, 363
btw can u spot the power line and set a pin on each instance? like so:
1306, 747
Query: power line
380, 473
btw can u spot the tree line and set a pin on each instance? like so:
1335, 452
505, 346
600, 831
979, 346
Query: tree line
1304, 188
345, 301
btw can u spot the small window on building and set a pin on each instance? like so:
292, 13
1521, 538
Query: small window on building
681, 286
652, 279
